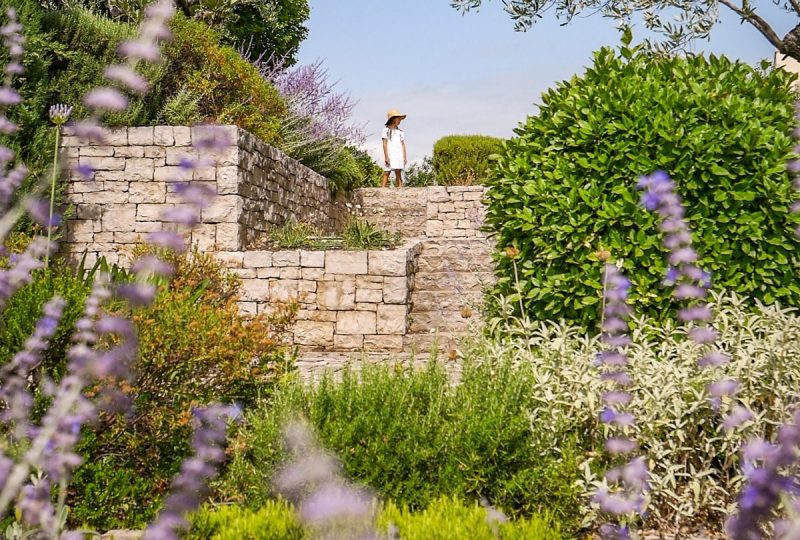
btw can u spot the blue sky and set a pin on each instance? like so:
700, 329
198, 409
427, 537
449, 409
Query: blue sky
470, 74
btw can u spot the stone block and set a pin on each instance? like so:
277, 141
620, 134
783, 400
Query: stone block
243, 273
147, 226
207, 174
269, 272
256, 289
116, 136
140, 169
283, 290
151, 212
97, 151
312, 259
183, 135
348, 342
355, 322
315, 274
158, 153
163, 136
89, 211
286, 258
103, 163
257, 259
129, 151
314, 333
110, 195
307, 286
395, 290
388, 263
119, 217
229, 236
364, 306
369, 295
223, 208
171, 174
147, 192
85, 187
142, 136
248, 308
176, 155
289, 272
127, 238
227, 178
230, 259
392, 319
383, 343
346, 262
434, 228
336, 295
79, 230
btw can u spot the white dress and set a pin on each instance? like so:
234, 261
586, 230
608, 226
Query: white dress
394, 138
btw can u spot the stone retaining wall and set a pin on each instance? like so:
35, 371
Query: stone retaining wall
348, 300
426, 212
138, 169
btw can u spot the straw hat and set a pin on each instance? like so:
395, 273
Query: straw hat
392, 113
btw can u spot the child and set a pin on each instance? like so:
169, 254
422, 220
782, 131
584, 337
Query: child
394, 148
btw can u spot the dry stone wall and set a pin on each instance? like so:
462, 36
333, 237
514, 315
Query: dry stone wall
426, 212
426, 290
348, 300
137, 171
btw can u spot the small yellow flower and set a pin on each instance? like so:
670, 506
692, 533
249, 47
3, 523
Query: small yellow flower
512, 252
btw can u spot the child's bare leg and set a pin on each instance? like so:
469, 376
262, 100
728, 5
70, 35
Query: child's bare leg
399, 174
385, 180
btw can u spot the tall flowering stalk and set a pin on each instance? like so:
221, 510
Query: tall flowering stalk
59, 114
691, 286
627, 500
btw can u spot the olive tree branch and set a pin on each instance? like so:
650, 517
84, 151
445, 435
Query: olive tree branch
757, 21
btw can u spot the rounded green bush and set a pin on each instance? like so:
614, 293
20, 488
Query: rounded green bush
463, 159
563, 191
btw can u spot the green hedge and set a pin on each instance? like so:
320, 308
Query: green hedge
463, 159
563, 190
444, 519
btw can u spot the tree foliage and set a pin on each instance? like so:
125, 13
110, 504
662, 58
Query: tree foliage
680, 22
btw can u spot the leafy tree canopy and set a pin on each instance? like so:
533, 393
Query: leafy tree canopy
678, 21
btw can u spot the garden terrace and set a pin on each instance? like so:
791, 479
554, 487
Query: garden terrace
422, 292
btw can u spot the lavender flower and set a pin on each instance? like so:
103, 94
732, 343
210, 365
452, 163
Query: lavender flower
326, 502
691, 283
628, 498
189, 486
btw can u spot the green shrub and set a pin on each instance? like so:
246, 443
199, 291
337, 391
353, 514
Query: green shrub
224, 87
293, 235
414, 438
274, 520
194, 348
564, 188
444, 519
450, 519
463, 159
695, 469
421, 174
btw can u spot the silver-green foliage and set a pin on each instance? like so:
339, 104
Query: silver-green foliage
694, 463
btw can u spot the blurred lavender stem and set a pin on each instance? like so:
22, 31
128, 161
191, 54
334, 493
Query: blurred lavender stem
65, 401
